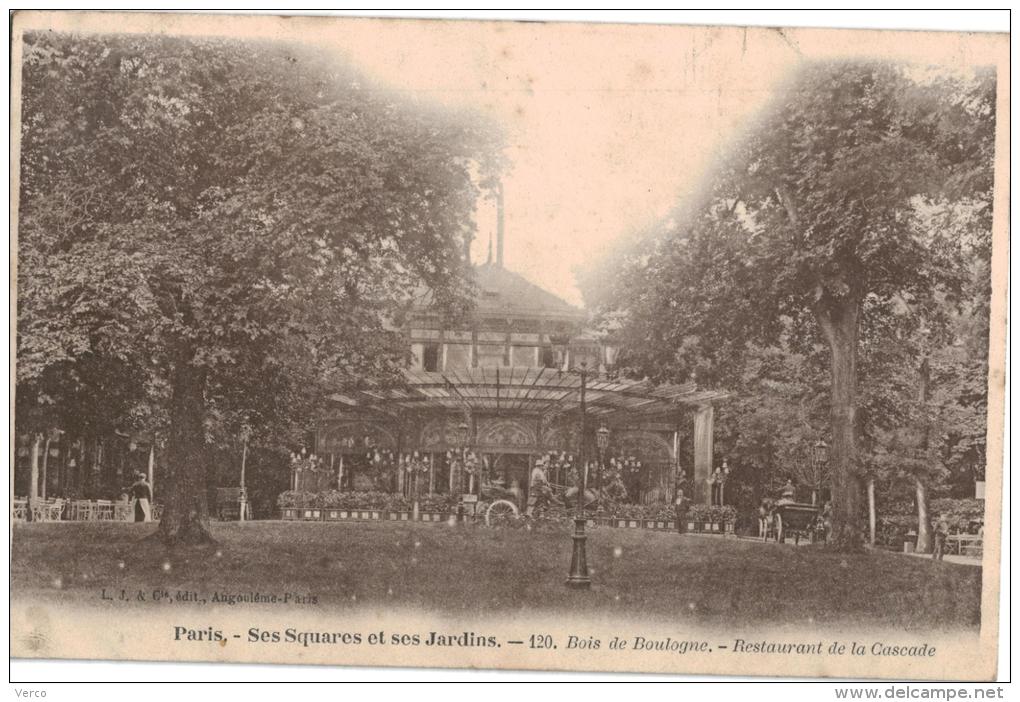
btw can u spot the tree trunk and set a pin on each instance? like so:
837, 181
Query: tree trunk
920, 486
838, 319
872, 516
185, 509
33, 488
923, 523
44, 476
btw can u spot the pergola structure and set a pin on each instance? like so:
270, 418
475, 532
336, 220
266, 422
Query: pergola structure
527, 411
501, 388
535, 391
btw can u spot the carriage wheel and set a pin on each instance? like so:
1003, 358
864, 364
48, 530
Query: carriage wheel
500, 508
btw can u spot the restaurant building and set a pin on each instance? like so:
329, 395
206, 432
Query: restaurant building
504, 389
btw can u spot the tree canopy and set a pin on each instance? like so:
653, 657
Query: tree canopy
215, 233
846, 221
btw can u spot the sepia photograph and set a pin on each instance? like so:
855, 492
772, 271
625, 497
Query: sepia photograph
552, 346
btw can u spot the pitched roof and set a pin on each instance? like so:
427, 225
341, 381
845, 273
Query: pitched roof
501, 291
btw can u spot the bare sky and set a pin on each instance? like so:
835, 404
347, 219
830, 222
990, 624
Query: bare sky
609, 125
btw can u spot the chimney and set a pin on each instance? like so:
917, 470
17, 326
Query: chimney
499, 225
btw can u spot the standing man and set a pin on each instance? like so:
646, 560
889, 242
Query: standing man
681, 503
539, 494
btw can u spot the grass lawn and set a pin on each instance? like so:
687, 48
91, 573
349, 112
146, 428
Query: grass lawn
467, 571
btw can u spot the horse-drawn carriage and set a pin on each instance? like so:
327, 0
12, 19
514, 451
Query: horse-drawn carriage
794, 519
500, 502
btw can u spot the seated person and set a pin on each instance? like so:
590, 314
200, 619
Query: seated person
788, 494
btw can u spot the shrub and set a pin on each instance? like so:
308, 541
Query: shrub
961, 515
334, 499
438, 503
293, 498
712, 513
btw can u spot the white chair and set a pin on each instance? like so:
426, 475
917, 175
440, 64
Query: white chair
55, 510
104, 510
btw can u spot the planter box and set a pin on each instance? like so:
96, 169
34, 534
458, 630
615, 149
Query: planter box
302, 514
659, 524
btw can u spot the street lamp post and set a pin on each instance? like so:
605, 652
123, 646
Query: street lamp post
460, 438
602, 441
819, 455
579, 578
245, 437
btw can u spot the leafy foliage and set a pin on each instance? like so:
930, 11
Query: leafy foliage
848, 230
227, 224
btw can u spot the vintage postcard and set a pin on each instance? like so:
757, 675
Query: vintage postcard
508, 345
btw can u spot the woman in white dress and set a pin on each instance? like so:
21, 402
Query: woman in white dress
142, 494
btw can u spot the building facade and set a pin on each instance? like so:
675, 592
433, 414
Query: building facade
487, 397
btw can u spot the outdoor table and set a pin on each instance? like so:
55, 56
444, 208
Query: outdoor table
960, 541
47, 510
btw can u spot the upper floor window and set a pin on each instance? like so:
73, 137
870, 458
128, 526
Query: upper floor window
425, 356
430, 358
491, 355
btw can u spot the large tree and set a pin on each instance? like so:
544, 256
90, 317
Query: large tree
237, 219
818, 226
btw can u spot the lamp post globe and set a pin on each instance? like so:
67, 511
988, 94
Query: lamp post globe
820, 453
579, 577
819, 457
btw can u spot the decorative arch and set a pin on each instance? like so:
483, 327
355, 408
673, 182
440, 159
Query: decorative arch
437, 433
559, 438
646, 446
354, 437
505, 433
433, 434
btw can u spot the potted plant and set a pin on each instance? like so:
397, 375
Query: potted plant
331, 501
288, 504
